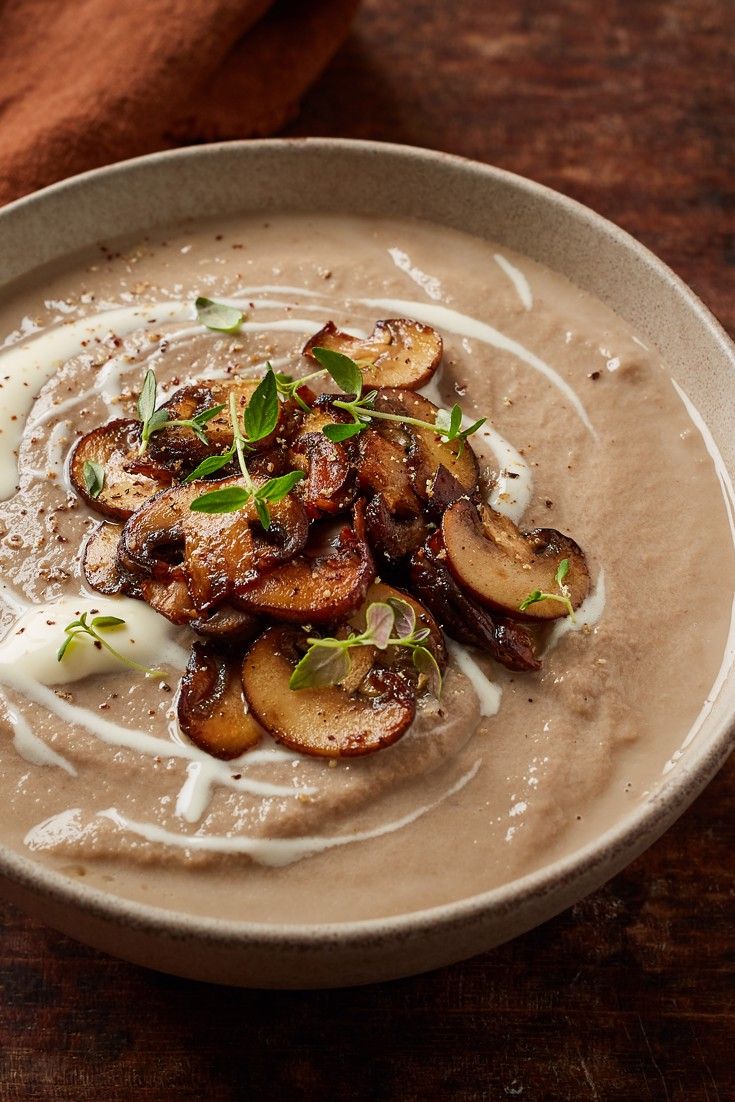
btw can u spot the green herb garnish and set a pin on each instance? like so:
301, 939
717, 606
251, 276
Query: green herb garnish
387, 624
337, 433
93, 474
563, 596
218, 316
92, 629
345, 371
288, 387
210, 465
275, 489
259, 420
227, 500
152, 419
347, 375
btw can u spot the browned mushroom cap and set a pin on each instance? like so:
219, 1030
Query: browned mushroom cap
323, 412
443, 490
328, 722
152, 540
399, 352
394, 517
500, 565
229, 552
227, 625
383, 468
507, 641
218, 554
426, 451
129, 480
179, 448
99, 560
103, 572
330, 485
169, 597
211, 709
326, 583
393, 537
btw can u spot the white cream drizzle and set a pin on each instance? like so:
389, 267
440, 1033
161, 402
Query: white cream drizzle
32, 642
141, 742
254, 371
108, 382
452, 321
587, 615
27, 326
517, 278
513, 487
57, 829
36, 359
278, 289
57, 448
274, 304
275, 852
426, 282
206, 773
26, 367
29, 664
30, 746
488, 693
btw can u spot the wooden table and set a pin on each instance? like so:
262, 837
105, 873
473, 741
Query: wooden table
628, 106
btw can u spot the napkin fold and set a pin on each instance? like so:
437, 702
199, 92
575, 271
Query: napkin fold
87, 82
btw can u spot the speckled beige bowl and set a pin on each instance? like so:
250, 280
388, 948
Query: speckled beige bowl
366, 177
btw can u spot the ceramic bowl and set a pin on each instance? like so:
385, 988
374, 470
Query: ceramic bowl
135, 196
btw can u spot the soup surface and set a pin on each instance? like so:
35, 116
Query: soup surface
586, 433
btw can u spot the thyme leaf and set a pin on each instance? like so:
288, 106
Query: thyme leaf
562, 597
93, 474
347, 375
153, 420
92, 628
230, 499
387, 624
345, 372
218, 316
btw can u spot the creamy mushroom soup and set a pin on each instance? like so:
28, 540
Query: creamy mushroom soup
586, 433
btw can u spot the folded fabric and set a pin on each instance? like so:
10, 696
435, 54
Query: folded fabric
87, 82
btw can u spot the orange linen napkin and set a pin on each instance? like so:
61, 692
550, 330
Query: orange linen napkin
87, 82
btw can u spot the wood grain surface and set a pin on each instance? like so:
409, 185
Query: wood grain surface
628, 106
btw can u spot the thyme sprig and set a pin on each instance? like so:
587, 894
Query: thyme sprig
153, 419
259, 420
92, 630
288, 387
348, 376
387, 624
563, 596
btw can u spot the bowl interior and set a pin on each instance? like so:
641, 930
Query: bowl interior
315, 174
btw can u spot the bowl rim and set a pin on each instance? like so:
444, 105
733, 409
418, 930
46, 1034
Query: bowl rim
622, 841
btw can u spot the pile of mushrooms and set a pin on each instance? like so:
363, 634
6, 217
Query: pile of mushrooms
393, 511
